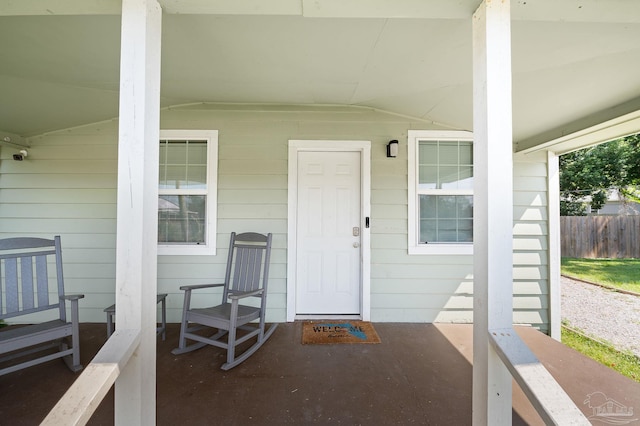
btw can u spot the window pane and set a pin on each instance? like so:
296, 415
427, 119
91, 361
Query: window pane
197, 165
174, 177
447, 231
446, 218
465, 231
446, 206
196, 177
183, 164
428, 231
428, 153
428, 207
465, 177
465, 206
428, 165
197, 152
448, 153
454, 169
448, 177
181, 219
162, 170
466, 153
163, 154
428, 177
176, 152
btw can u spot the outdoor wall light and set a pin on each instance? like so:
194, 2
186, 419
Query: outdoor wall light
21, 155
392, 149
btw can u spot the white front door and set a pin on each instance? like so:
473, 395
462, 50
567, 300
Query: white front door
329, 234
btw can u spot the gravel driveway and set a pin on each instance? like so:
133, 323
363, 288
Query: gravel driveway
601, 313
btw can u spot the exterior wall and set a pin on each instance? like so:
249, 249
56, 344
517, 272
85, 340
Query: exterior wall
531, 237
67, 186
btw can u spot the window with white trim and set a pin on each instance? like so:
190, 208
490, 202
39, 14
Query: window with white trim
187, 192
440, 192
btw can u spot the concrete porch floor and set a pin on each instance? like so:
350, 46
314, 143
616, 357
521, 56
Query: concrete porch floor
419, 374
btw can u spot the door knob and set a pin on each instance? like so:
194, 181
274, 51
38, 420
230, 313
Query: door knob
356, 245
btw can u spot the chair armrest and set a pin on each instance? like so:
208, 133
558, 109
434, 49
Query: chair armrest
72, 296
242, 294
197, 286
75, 313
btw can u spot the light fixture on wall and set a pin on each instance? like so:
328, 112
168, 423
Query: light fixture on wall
21, 155
392, 149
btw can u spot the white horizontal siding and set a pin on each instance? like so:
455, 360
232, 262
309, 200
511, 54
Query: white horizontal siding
252, 167
411, 286
251, 197
58, 196
529, 214
530, 243
531, 258
46, 226
67, 186
530, 198
387, 196
59, 180
32, 167
58, 211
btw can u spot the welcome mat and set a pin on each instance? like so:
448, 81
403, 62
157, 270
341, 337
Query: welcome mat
327, 332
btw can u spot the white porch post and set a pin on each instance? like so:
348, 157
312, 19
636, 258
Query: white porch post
493, 208
555, 285
136, 247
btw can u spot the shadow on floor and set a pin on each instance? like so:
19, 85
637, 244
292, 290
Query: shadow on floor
419, 374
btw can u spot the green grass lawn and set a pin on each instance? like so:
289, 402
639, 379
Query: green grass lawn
619, 273
624, 363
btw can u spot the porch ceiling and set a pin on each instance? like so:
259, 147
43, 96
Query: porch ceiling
574, 65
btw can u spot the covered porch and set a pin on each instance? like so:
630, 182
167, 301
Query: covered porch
419, 374
469, 48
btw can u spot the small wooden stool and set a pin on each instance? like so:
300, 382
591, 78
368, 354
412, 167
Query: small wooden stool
111, 311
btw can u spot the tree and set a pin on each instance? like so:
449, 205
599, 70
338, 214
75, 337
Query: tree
588, 175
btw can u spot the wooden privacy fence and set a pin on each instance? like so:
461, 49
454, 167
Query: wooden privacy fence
600, 236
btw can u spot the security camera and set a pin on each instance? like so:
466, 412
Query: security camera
21, 155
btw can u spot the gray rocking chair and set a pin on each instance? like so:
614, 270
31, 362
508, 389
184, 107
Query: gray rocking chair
31, 281
246, 276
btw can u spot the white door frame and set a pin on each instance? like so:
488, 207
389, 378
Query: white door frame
364, 147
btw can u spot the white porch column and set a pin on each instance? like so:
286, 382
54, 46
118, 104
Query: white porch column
493, 208
136, 247
555, 285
